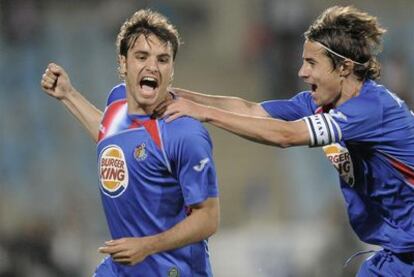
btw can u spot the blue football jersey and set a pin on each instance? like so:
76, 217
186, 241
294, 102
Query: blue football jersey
370, 141
150, 173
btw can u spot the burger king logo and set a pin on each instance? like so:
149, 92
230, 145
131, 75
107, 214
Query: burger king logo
341, 159
113, 172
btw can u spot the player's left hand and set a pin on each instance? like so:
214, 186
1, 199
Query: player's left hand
178, 107
127, 251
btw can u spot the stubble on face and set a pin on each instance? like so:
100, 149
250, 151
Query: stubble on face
148, 70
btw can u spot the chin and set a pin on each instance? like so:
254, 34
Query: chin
146, 103
148, 98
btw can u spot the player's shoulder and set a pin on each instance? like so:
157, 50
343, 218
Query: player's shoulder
185, 124
387, 97
118, 92
306, 94
368, 104
373, 91
185, 135
185, 128
370, 97
305, 97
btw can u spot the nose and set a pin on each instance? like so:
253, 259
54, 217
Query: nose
152, 65
303, 71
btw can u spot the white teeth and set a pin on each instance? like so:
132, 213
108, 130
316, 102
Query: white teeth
149, 79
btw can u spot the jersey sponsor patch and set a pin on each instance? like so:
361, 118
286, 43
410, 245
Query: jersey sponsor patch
341, 159
113, 172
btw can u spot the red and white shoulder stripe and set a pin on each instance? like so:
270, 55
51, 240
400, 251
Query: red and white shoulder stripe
115, 113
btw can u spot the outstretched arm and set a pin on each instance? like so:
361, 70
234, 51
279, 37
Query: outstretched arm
199, 225
228, 103
263, 130
56, 83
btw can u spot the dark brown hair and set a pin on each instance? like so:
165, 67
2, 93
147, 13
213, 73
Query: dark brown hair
353, 34
146, 22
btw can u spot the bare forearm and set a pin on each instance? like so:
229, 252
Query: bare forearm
228, 103
259, 129
86, 113
201, 224
56, 83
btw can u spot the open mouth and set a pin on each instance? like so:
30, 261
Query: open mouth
313, 87
148, 83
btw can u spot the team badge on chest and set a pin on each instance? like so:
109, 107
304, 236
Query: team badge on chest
113, 171
341, 159
140, 152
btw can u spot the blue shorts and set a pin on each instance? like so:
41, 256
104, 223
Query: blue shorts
387, 263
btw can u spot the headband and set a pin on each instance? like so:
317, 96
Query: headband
339, 55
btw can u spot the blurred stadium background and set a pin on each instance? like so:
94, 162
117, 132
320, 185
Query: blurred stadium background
282, 210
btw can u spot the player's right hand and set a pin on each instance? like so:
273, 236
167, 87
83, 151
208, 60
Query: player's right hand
55, 82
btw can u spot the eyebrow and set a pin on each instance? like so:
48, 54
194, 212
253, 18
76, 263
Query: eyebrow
164, 55
142, 52
310, 60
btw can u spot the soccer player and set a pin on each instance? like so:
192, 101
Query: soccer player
365, 130
157, 181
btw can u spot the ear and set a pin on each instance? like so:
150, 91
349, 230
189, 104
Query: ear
122, 65
346, 68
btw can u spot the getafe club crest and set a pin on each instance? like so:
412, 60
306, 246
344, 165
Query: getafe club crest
113, 172
140, 152
341, 159
173, 272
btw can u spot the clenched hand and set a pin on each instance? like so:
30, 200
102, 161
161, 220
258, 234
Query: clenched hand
55, 82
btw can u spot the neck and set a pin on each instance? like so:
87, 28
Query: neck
136, 108
350, 87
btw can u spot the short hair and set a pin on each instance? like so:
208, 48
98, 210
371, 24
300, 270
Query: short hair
146, 22
353, 34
